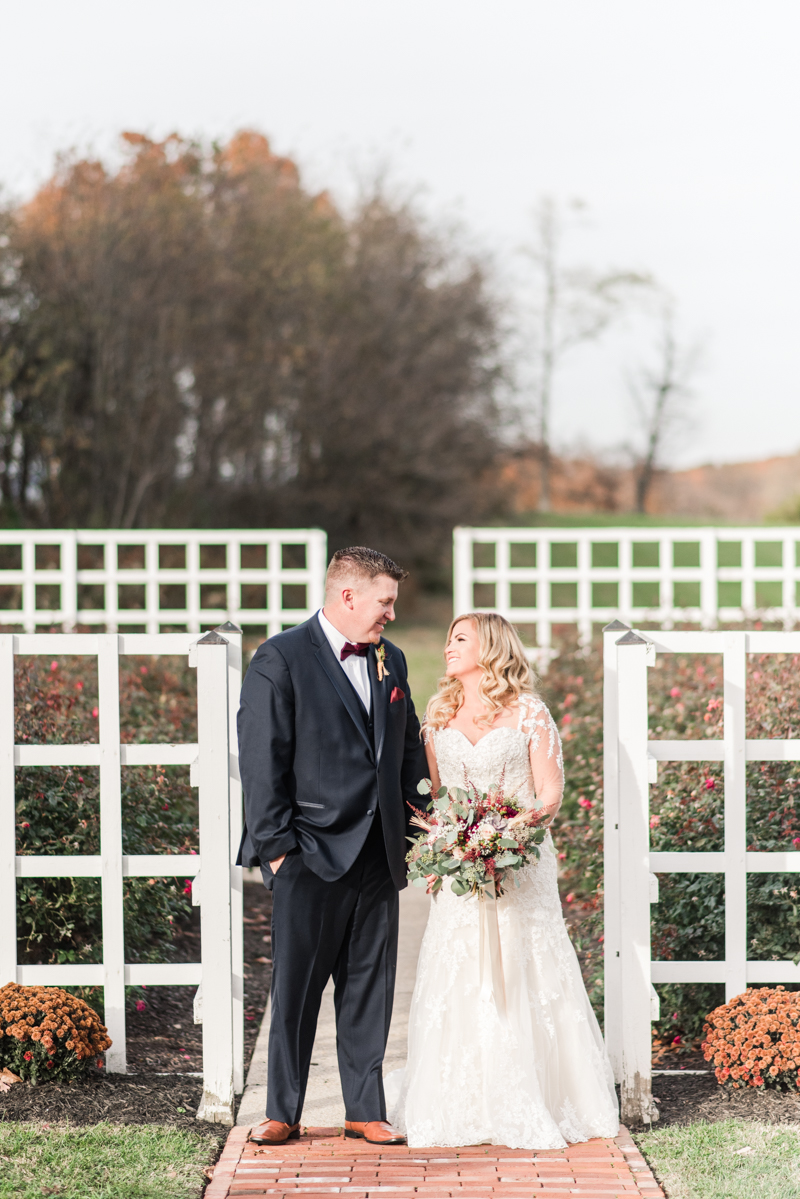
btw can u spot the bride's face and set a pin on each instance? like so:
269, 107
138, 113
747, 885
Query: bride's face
462, 651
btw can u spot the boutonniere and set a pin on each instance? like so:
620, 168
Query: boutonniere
380, 654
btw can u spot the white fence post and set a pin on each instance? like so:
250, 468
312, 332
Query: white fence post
69, 585
462, 570
708, 581
734, 726
215, 855
612, 936
8, 831
111, 851
634, 907
584, 593
233, 634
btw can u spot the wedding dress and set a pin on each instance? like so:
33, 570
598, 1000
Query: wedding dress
536, 1076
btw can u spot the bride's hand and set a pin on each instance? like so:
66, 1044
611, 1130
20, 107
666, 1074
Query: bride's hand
533, 817
430, 879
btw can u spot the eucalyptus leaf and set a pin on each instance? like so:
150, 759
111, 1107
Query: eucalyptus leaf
424, 786
458, 887
508, 843
508, 859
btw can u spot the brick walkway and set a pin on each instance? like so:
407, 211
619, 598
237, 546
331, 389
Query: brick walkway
321, 1164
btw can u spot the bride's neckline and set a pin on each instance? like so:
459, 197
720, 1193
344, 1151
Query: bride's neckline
503, 728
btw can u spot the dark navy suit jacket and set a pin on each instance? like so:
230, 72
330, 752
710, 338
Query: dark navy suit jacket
313, 775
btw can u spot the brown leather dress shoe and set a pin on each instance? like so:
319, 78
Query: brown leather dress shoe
377, 1132
273, 1132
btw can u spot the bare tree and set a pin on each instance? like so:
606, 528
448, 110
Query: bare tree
572, 306
662, 398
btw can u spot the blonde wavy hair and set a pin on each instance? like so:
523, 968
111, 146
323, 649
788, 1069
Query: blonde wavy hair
507, 673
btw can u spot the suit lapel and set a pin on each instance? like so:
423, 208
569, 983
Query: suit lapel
327, 660
380, 701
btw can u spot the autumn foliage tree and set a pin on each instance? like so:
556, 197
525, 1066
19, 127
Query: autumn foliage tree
193, 339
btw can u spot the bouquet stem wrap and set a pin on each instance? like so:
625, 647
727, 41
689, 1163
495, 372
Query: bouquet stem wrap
493, 983
476, 841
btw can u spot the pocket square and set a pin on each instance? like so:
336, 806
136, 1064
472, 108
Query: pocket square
397, 693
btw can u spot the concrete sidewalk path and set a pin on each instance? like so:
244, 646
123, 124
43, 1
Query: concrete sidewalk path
324, 1107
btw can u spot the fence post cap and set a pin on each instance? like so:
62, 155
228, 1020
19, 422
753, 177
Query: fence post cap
615, 626
632, 638
213, 638
228, 627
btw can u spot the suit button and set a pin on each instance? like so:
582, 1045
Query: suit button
369, 811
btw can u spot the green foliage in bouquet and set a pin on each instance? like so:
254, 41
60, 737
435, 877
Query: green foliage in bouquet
473, 838
58, 808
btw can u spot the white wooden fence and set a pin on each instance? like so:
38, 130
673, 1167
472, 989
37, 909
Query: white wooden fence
160, 580
213, 764
631, 765
542, 577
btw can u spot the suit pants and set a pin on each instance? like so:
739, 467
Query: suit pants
346, 929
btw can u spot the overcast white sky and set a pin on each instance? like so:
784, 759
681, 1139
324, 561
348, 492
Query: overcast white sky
676, 121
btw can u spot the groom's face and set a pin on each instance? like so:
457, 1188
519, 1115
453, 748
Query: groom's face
371, 607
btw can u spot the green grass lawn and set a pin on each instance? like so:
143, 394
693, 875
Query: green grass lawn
614, 520
736, 1159
103, 1161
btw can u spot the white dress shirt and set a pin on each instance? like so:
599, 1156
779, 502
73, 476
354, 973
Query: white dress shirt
354, 667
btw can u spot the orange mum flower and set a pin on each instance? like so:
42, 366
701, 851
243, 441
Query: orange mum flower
32, 1015
755, 1039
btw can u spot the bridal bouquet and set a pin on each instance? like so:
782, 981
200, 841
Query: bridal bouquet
473, 838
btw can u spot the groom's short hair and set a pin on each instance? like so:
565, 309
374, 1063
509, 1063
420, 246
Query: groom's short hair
359, 562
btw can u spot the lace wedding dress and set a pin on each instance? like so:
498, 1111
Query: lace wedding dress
539, 1078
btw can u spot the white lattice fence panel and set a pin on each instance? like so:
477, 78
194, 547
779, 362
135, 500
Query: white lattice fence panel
631, 767
542, 577
154, 580
213, 764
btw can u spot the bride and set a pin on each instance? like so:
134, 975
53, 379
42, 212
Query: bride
532, 1072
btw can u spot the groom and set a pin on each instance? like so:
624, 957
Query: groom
329, 752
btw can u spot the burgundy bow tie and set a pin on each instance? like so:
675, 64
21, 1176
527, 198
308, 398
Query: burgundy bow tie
360, 649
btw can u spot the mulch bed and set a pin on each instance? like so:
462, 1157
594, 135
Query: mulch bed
164, 1045
696, 1098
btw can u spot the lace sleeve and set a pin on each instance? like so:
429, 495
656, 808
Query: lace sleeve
544, 747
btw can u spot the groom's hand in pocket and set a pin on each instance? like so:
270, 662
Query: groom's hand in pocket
275, 864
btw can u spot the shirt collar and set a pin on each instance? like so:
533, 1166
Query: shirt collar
336, 639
